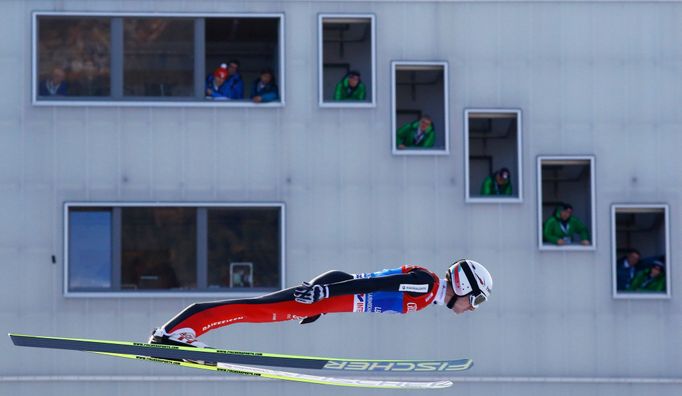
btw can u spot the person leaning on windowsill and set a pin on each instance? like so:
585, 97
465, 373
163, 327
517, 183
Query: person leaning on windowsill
265, 88
560, 228
649, 279
416, 134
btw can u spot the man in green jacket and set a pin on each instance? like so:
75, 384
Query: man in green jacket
498, 183
649, 279
419, 134
350, 87
560, 228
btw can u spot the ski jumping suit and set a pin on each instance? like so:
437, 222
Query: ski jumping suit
399, 290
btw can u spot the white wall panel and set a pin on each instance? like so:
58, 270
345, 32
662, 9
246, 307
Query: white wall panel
168, 136
102, 151
11, 151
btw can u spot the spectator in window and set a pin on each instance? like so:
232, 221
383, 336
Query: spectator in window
56, 85
417, 134
560, 228
216, 88
626, 269
350, 87
498, 183
235, 84
265, 88
649, 279
89, 82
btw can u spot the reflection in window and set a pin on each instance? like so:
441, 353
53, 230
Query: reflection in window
74, 56
127, 249
158, 57
139, 58
159, 248
90, 259
244, 242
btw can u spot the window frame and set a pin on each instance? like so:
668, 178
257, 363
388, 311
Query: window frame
222, 293
519, 161
320, 61
568, 159
614, 254
36, 101
446, 104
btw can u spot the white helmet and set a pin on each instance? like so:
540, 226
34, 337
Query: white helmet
470, 277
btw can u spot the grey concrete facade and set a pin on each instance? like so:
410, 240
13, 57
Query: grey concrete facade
591, 78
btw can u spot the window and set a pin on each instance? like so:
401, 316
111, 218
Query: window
243, 244
419, 111
346, 47
158, 59
566, 218
640, 246
158, 248
253, 45
90, 236
171, 249
493, 151
74, 57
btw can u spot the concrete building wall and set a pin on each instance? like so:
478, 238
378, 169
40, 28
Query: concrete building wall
591, 78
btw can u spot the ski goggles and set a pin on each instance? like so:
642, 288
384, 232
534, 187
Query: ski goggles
477, 300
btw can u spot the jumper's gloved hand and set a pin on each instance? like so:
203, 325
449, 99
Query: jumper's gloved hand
308, 294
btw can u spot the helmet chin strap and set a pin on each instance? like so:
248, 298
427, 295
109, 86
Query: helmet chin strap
452, 301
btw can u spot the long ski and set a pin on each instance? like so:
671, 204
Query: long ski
242, 357
289, 376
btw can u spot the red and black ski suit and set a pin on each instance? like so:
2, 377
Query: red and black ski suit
400, 290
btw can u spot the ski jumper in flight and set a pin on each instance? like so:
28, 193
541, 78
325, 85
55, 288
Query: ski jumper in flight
401, 290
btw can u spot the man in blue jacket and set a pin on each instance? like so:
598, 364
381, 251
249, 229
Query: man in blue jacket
234, 83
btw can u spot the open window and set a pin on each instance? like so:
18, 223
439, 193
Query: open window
346, 48
640, 243
493, 155
171, 250
420, 124
141, 59
566, 203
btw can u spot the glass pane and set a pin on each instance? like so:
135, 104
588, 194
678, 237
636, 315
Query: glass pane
566, 203
493, 155
73, 56
158, 57
159, 248
244, 247
347, 59
249, 48
420, 108
641, 261
90, 248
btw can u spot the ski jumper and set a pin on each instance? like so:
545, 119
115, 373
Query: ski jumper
399, 290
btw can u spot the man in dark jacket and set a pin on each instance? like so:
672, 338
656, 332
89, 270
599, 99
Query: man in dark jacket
234, 83
626, 268
56, 85
265, 88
